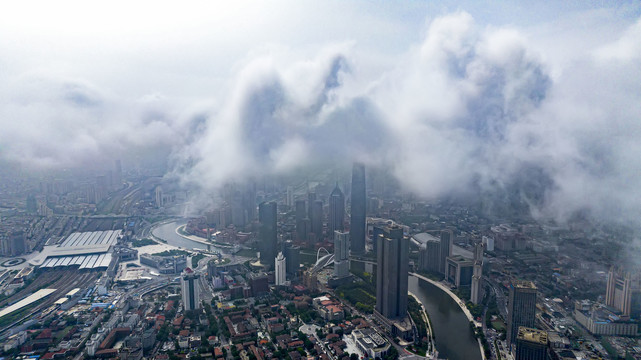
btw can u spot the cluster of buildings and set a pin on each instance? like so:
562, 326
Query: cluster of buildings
165, 264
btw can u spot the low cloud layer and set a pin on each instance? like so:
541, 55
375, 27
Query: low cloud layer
470, 109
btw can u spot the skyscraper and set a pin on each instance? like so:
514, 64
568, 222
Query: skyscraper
476, 292
281, 270
531, 344
619, 290
190, 289
446, 249
358, 207
317, 219
311, 197
341, 254
292, 259
17, 243
157, 194
301, 214
289, 196
336, 211
521, 308
268, 233
391, 273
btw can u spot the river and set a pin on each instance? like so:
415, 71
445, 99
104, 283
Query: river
167, 232
452, 334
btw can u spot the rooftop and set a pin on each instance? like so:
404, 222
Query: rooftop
532, 335
523, 284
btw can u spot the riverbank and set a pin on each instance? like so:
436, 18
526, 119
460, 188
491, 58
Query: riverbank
458, 301
432, 354
181, 232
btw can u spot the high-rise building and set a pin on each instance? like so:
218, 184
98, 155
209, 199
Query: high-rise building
292, 259
17, 243
336, 211
341, 254
476, 292
281, 270
289, 196
317, 219
521, 308
459, 270
158, 195
429, 253
249, 201
531, 344
268, 233
190, 287
311, 197
391, 273
301, 211
301, 214
619, 291
446, 249
358, 208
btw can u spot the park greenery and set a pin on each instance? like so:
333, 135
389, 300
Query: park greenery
173, 252
142, 242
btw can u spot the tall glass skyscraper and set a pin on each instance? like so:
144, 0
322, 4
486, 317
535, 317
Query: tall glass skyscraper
357, 220
268, 233
521, 308
336, 211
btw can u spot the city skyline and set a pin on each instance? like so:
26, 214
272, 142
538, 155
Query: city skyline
330, 180
503, 109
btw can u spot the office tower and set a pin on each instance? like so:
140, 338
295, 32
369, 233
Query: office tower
289, 196
238, 217
341, 254
17, 243
336, 211
476, 292
620, 289
300, 216
159, 196
301, 211
292, 259
281, 270
317, 219
258, 283
521, 308
118, 174
531, 344
429, 253
268, 233
391, 273
446, 249
311, 197
459, 270
190, 289
358, 203
249, 201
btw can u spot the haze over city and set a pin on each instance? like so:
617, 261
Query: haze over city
227, 151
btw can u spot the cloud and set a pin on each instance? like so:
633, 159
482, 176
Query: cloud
464, 108
471, 110
55, 122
